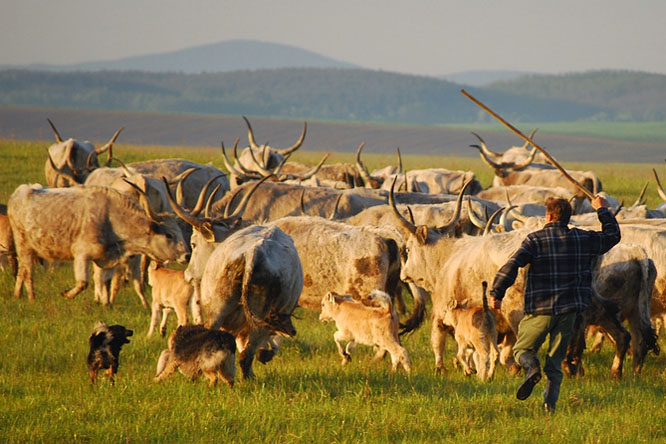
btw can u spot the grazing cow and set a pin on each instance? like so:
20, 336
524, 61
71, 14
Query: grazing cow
250, 287
86, 224
171, 293
372, 323
256, 158
474, 328
525, 175
431, 181
195, 349
515, 156
105, 344
70, 161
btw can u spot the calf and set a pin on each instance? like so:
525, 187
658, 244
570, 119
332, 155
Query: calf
171, 292
475, 328
105, 344
372, 321
195, 349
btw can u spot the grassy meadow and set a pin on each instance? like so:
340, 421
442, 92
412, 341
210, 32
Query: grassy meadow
304, 395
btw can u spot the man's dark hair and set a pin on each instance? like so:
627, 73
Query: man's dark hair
559, 209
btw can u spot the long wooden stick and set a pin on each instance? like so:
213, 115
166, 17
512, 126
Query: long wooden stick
528, 140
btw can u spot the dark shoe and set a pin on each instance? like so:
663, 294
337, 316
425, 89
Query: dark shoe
530, 363
531, 379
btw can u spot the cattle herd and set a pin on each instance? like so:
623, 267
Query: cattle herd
270, 235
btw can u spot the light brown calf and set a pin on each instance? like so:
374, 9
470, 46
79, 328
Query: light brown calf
474, 329
372, 321
171, 292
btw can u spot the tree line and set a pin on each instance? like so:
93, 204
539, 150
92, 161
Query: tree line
345, 94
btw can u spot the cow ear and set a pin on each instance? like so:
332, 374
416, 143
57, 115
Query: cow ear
422, 234
331, 297
206, 230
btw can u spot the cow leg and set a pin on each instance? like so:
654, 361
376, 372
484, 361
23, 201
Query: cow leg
438, 341
611, 323
351, 346
102, 278
154, 318
136, 276
506, 354
81, 276
598, 342
195, 306
24, 275
165, 318
380, 352
339, 337
248, 347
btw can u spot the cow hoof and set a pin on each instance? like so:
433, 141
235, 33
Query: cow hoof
265, 356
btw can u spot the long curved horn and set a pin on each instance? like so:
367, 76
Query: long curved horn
639, 201
298, 143
399, 161
181, 178
243, 203
492, 218
110, 143
227, 163
486, 159
407, 224
335, 207
527, 144
660, 190
210, 200
126, 171
485, 148
201, 200
527, 163
240, 164
504, 218
144, 201
362, 170
55, 131
456, 215
478, 223
302, 202
312, 171
250, 135
180, 212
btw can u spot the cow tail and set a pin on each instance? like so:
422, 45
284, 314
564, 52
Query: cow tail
649, 275
245, 289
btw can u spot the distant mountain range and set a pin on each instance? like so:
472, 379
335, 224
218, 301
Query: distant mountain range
266, 79
233, 55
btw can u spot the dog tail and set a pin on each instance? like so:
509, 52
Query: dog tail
486, 308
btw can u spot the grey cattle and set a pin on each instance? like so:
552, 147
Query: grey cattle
70, 161
250, 287
86, 224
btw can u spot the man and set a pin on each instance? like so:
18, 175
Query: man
558, 286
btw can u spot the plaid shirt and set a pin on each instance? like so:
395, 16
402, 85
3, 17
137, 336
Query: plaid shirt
559, 279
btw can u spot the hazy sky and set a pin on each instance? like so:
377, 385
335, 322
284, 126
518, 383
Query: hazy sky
411, 36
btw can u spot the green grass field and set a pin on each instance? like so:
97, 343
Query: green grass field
304, 395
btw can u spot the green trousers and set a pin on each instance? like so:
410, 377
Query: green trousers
532, 332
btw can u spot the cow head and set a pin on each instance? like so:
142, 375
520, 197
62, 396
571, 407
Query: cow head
208, 231
70, 161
